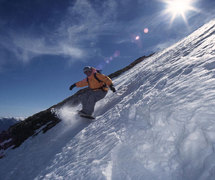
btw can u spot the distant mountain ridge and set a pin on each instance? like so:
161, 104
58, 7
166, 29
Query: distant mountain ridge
5, 123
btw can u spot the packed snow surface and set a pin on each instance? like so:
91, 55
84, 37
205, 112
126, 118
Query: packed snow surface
159, 125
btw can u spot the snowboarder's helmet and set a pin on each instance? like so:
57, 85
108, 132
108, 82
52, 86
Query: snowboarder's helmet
87, 68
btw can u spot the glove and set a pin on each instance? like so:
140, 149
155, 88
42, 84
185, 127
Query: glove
112, 88
72, 86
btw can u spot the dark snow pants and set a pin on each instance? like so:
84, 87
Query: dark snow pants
89, 99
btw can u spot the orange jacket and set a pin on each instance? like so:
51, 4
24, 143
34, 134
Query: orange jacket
93, 83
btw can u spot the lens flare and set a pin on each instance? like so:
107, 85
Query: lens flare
108, 60
137, 37
146, 30
116, 53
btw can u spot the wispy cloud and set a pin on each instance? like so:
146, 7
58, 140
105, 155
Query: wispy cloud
26, 48
85, 22
82, 25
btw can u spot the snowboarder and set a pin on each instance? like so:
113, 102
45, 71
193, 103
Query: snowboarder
98, 87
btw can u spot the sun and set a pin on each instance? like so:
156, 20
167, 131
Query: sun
178, 8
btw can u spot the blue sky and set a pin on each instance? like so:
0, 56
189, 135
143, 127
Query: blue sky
44, 44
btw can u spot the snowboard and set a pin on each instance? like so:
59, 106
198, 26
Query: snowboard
86, 116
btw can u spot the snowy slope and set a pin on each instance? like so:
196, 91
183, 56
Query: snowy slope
159, 125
